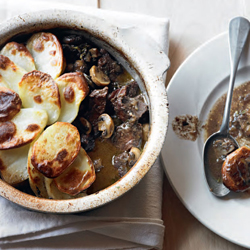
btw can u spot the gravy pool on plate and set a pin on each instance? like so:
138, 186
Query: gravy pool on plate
239, 129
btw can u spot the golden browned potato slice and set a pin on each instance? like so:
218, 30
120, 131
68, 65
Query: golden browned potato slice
39, 90
36, 179
78, 177
10, 104
13, 164
11, 73
73, 89
55, 193
56, 149
23, 128
235, 170
20, 55
47, 53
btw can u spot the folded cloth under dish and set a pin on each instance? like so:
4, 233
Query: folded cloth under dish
131, 222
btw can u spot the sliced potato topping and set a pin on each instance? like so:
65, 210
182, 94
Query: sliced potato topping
47, 53
20, 55
23, 128
56, 149
78, 177
55, 193
73, 89
36, 179
39, 90
3, 83
13, 164
10, 104
11, 73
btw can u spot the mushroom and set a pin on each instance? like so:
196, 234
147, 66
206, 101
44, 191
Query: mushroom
99, 77
86, 125
106, 125
94, 52
134, 154
89, 81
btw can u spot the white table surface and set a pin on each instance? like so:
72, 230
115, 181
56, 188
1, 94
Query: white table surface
192, 22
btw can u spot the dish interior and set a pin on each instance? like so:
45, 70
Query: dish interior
104, 149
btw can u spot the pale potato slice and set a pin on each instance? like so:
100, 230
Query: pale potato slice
78, 177
13, 164
55, 193
39, 90
73, 88
47, 53
11, 73
36, 179
23, 128
20, 55
56, 149
3, 83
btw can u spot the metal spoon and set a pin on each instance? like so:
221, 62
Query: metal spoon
238, 32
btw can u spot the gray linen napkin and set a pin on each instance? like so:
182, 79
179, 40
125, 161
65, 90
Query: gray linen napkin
130, 222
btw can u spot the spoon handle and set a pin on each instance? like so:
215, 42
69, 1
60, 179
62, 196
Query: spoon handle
238, 33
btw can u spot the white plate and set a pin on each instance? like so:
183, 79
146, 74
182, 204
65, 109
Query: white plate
194, 88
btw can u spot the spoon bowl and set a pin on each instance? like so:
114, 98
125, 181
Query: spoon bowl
216, 186
238, 33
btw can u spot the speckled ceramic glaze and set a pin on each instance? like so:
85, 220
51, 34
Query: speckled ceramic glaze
146, 69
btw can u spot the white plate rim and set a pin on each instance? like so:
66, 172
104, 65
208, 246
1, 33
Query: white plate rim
165, 158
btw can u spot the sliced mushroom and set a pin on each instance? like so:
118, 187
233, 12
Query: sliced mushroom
106, 125
99, 77
134, 155
86, 125
94, 52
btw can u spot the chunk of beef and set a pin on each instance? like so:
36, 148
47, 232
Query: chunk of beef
109, 66
70, 53
120, 162
126, 104
240, 123
97, 104
132, 89
87, 142
128, 135
98, 99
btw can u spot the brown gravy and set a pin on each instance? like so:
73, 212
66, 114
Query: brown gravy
239, 124
239, 115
